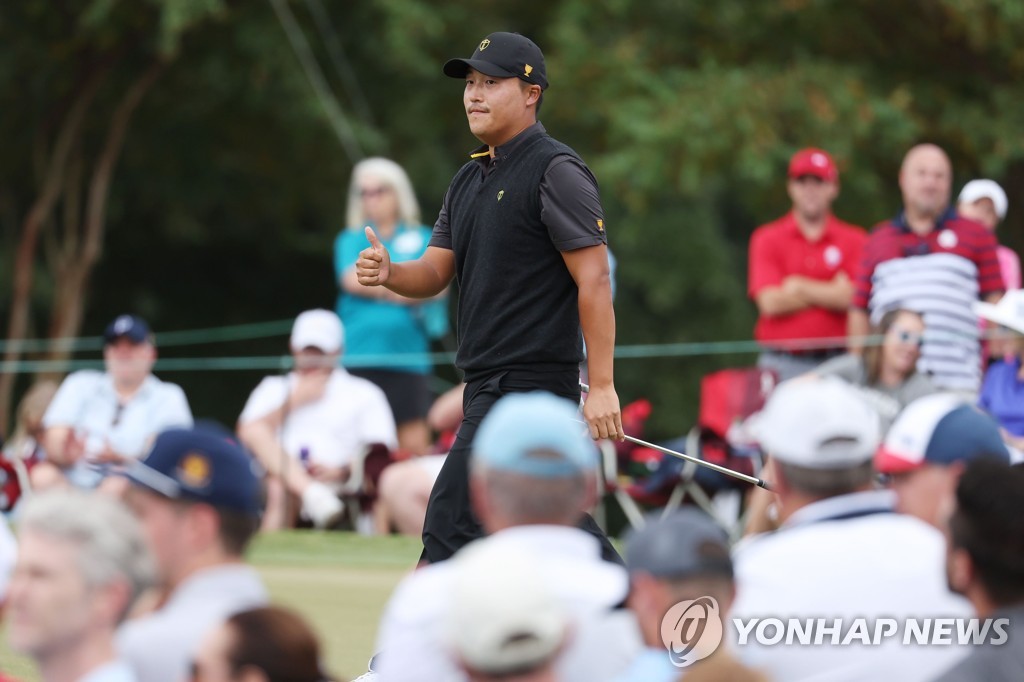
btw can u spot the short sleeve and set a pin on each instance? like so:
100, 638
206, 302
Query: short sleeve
570, 205
763, 266
441, 236
175, 411
990, 276
269, 395
855, 242
377, 424
66, 407
865, 270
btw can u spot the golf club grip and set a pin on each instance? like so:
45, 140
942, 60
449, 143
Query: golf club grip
753, 480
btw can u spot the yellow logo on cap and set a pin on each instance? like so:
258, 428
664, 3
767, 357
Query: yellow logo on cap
484, 44
501, 193
528, 69
194, 470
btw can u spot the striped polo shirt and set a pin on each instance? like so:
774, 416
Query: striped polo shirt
940, 274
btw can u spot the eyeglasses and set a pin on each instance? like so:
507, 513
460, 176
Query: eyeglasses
367, 192
904, 336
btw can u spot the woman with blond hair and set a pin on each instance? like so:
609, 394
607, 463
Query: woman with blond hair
378, 322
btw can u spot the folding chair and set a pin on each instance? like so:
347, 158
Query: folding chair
727, 397
360, 490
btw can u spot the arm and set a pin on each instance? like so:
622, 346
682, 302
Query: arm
773, 292
589, 268
834, 294
857, 328
773, 301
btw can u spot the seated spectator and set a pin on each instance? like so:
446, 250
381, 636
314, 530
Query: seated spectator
504, 622
267, 644
679, 557
198, 499
532, 476
927, 448
99, 420
887, 372
840, 552
985, 563
306, 428
1002, 390
24, 449
404, 487
82, 562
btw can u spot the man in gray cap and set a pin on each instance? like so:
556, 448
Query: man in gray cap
680, 557
841, 551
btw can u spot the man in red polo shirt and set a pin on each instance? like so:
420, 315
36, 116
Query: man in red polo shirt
801, 270
930, 259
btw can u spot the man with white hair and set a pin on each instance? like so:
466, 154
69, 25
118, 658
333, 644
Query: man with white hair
841, 553
82, 562
307, 428
532, 476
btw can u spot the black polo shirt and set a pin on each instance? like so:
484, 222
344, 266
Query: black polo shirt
507, 220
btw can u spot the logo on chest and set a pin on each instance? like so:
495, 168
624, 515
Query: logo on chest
501, 193
833, 256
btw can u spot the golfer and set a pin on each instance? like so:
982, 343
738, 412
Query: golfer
522, 228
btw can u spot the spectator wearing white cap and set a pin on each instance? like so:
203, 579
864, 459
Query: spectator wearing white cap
307, 427
532, 475
841, 551
985, 563
1002, 390
82, 563
99, 420
674, 558
927, 448
984, 201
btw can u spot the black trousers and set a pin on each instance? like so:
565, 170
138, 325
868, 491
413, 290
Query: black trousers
450, 522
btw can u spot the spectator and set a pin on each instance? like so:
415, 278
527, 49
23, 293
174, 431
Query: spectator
930, 259
267, 644
927, 448
82, 562
99, 420
529, 485
198, 499
841, 552
671, 559
886, 372
404, 487
985, 563
800, 271
1002, 391
382, 323
24, 449
306, 428
504, 621
532, 271
8, 556
984, 201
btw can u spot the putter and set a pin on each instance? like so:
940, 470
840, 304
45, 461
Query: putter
753, 480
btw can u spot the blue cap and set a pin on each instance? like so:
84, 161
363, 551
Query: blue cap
535, 434
131, 327
201, 464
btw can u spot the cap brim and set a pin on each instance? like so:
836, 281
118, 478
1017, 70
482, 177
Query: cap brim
993, 313
458, 68
888, 462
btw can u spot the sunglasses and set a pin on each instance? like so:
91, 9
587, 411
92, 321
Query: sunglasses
373, 191
908, 337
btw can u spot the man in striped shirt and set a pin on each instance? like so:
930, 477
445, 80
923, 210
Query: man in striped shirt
930, 259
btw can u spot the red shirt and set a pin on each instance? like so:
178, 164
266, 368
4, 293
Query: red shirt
778, 250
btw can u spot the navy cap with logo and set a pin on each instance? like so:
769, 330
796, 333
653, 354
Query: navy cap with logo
683, 544
131, 327
503, 55
202, 464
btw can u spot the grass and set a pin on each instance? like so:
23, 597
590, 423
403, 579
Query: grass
338, 581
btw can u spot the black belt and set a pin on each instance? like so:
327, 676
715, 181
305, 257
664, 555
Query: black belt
818, 355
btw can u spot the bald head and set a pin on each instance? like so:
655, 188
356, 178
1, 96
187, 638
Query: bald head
926, 178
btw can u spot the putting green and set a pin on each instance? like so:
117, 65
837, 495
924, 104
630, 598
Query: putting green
338, 581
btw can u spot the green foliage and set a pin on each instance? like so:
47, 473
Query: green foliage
232, 184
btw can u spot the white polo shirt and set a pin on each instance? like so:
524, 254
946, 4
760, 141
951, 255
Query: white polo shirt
160, 646
352, 414
846, 557
8, 557
88, 402
411, 645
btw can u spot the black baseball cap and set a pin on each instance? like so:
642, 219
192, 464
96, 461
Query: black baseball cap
503, 55
683, 544
131, 327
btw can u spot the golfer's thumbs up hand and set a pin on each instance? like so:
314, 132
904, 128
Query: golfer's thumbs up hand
374, 264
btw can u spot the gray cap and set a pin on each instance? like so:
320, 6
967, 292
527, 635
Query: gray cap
684, 543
